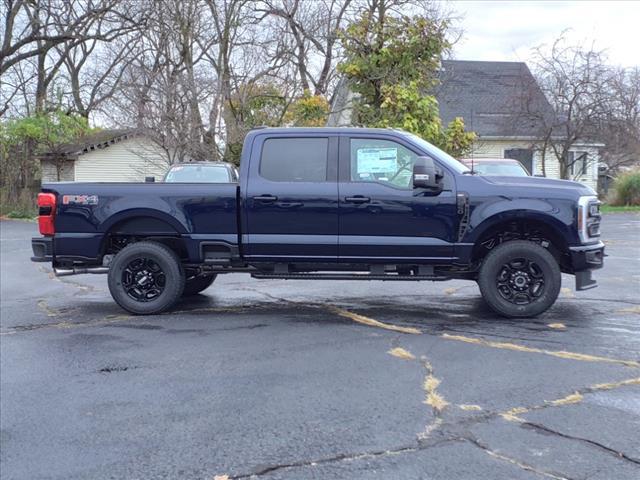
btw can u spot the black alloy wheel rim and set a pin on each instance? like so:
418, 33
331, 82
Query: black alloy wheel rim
143, 279
520, 281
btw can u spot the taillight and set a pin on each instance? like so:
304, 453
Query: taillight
46, 213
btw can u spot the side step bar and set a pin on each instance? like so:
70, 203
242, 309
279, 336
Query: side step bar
347, 276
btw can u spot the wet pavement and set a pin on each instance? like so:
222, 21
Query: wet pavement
318, 379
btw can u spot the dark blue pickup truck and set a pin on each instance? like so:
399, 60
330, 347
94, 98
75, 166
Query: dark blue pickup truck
323, 203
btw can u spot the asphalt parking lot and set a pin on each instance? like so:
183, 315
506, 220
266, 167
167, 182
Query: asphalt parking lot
329, 380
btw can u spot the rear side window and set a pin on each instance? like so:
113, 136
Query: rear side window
294, 159
198, 173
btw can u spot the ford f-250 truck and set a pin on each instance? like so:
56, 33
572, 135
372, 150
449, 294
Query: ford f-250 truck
323, 203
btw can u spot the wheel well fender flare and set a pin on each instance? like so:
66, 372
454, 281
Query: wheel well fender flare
155, 222
541, 214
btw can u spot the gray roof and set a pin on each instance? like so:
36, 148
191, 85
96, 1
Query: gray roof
91, 141
495, 99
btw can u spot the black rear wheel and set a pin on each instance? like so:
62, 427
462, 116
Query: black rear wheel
197, 284
519, 279
146, 278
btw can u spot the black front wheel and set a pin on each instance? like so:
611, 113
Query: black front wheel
519, 279
146, 278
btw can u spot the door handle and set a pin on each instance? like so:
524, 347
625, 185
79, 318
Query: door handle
357, 199
265, 198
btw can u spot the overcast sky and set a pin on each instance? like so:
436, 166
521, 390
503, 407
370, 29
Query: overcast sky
507, 30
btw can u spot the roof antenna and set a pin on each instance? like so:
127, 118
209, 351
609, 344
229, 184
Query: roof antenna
472, 149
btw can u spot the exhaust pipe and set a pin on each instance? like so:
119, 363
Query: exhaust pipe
65, 272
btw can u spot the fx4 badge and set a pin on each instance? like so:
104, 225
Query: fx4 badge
79, 199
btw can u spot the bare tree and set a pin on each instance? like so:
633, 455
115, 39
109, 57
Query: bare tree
40, 35
248, 53
574, 80
620, 125
95, 67
194, 75
313, 28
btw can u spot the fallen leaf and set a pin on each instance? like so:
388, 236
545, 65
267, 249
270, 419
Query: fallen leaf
558, 326
401, 353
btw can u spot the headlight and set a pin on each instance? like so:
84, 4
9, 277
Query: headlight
588, 218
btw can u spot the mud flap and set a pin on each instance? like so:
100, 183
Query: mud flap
584, 281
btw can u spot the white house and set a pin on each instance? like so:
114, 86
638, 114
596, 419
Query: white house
106, 156
502, 103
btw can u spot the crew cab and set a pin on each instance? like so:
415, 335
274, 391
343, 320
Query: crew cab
328, 203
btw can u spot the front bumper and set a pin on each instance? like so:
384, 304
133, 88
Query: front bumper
585, 259
42, 249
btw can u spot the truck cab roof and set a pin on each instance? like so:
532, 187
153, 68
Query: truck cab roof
326, 130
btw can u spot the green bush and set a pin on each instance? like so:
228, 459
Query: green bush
627, 189
23, 207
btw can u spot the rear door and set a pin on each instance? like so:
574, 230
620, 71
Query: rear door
291, 199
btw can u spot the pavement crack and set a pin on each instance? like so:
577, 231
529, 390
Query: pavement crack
346, 314
513, 414
432, 398
514, 461
616, 453
343, 457
49, 311
65, 325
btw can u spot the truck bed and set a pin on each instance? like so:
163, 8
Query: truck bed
195, 212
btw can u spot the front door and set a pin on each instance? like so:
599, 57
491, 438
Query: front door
382, 218
291, 200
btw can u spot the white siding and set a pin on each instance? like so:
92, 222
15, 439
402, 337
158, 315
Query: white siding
484, 148
49, 172
130, 160
591, 177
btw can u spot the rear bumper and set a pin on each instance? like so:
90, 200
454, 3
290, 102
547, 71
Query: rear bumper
585, 259
42, 249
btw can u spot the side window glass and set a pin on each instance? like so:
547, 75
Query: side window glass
294, 159
447, 181
382, 161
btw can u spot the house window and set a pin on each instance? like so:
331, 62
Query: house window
523, 155
578, 162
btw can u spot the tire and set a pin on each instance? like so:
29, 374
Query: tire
519, 279
197, 284
146, 278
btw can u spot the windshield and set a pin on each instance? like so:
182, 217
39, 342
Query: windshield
438, 154
198, 173
507, 169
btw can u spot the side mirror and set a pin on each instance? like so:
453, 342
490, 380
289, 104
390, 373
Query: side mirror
426, 175
149, 179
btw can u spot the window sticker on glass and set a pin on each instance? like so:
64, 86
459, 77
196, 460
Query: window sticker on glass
377, 160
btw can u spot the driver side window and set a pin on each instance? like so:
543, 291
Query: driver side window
382, 161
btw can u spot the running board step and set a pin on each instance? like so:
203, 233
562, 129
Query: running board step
350, 276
